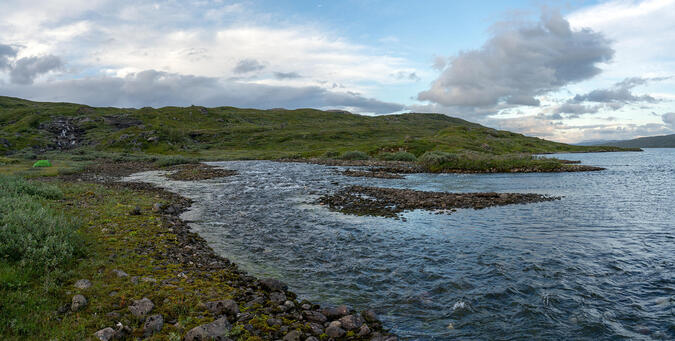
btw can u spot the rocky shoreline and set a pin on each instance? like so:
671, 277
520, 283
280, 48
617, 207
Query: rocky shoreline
391, 202
380, 167
371, 173
263, 308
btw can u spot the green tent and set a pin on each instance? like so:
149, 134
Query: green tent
42, 163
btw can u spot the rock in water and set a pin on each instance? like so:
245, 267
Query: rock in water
216, 330
271, 284
78, 303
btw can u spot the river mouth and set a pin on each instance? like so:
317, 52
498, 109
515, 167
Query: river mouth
574, 268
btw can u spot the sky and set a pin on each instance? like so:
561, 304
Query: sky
567, 71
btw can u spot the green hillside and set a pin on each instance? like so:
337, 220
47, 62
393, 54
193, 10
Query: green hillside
227, 132
663, 141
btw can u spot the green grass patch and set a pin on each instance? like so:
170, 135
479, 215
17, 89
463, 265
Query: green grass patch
354, 155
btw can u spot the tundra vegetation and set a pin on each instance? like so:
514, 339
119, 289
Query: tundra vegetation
60, 223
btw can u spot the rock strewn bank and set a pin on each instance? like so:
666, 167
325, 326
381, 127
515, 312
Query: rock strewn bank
199, 171
375, 168
259, 309
390, 202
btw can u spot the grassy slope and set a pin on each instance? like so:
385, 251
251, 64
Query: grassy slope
229, 133
664, 141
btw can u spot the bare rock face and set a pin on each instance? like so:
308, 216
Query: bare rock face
141, 308
216, 330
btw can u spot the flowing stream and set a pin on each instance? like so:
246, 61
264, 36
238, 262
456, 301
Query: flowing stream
598, 264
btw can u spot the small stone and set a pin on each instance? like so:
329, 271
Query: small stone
277, 297
316, 328
271, 284
311, 338
134, 279
153, 325
135, 211
335, 332
294, 335
306, 306
218, 329
336, 312
83, 284
370, 316
314, 316
351, 322
273, 322
105, 334
364, 330
335, 324
120, 273
156, 207
113, 315
64, 308
112, 293
140, 308
122, 332
148, 280
78, 303
221, 307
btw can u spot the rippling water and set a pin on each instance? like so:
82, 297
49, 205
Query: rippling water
599, 264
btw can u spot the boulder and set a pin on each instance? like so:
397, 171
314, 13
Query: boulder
153, 324
216, 330
141, 308
335, 312
271, 284
105, 334
120, 273
314, 316
335, 332
78, 303
351, 322
217, 308
293, 335
83, 284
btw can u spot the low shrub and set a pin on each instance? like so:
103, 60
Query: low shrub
165, 161
399, 156
435, 159
32, 235
354, 155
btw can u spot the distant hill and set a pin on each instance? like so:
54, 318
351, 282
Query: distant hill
228, 132
663, 141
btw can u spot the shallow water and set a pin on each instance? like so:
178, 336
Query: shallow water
598, 264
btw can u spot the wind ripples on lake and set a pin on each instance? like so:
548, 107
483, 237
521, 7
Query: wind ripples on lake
598, 264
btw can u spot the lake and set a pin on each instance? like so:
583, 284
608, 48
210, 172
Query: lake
597, 264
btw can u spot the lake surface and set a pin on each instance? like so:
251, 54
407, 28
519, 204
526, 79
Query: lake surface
598, 264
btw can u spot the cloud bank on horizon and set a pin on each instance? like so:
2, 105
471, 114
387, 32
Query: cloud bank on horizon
599, 72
